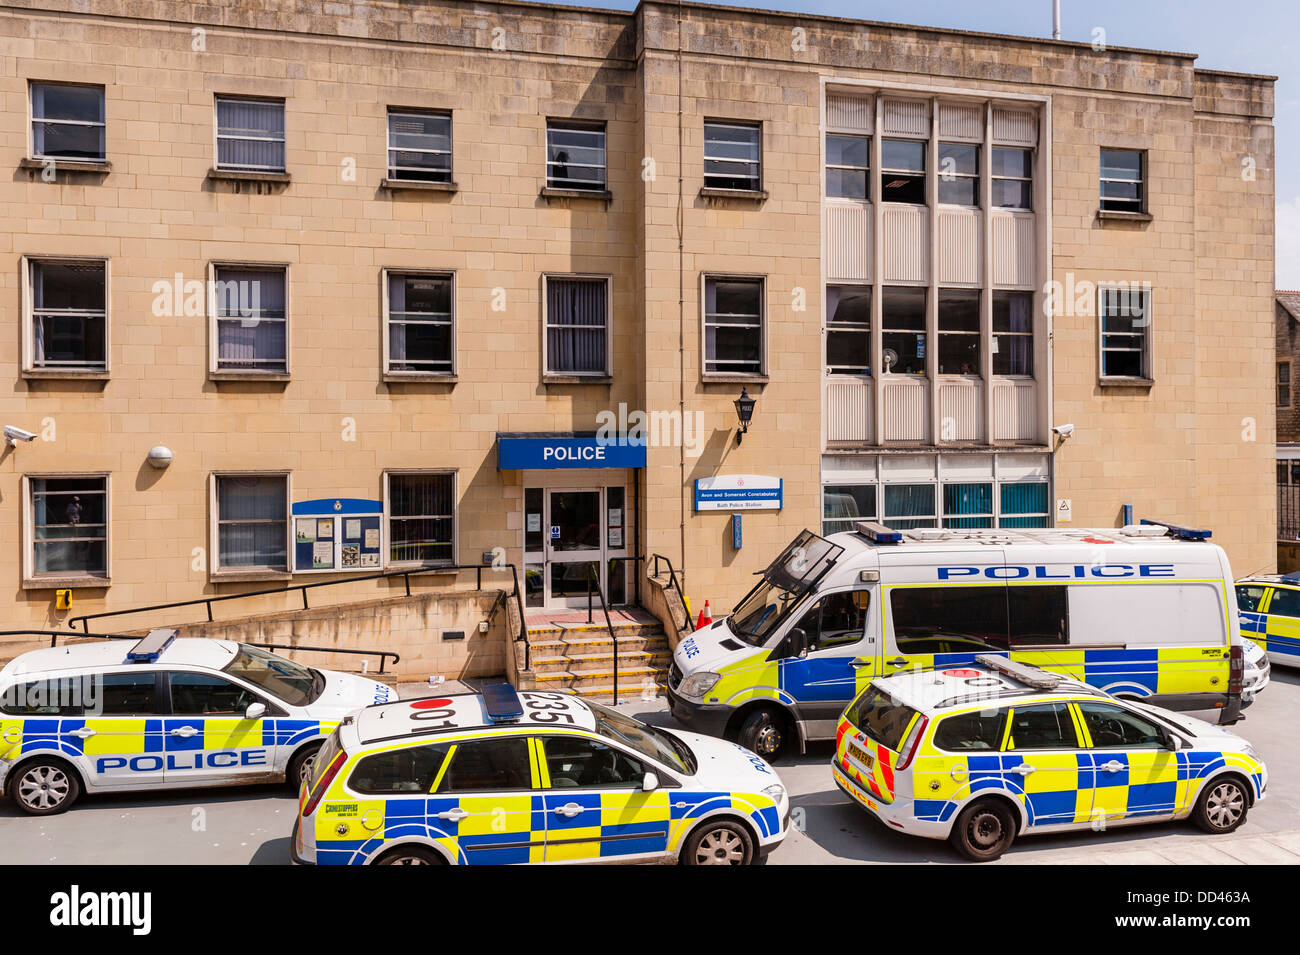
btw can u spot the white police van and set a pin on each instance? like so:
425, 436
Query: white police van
161, 713
1145, 611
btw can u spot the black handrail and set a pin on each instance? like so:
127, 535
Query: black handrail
289, 646
672, 580
55, 634
592, 578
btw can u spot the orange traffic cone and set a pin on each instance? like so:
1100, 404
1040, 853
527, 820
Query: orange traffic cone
706, 617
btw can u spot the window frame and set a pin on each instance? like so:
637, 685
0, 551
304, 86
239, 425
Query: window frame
1142, 183
32, 120
830, 327
705, 158
1010, 744
977, 373
1148, 374
923, 332
607, 372
454, 752
1284, 368
555, 123
975, 178
875, 495
387, 531
390, 167
828, 165
29, 367
390, 373
705, 360
215, 568
217, 135
215, 371
994, 334
32, 580
927, 201
993, 178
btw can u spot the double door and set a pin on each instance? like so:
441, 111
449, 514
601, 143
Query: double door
573, 538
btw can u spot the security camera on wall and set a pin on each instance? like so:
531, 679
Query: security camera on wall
1064, 430
14, 435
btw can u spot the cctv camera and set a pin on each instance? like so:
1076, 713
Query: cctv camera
1064, 430
14, 435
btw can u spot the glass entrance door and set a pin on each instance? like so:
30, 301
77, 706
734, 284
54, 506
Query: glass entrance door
575, 545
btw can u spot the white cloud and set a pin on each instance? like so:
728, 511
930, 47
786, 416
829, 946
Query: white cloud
1288, 244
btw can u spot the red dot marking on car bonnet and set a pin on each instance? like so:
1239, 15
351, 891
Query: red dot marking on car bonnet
962, 673
430, 704
1097, 540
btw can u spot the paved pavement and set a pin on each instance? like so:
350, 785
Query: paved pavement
253, 825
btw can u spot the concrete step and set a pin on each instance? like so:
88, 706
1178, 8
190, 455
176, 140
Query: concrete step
558, 663
604, 645
572, 631
580, 681
626, 692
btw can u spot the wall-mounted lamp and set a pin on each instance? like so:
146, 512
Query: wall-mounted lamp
744, 412
160, 456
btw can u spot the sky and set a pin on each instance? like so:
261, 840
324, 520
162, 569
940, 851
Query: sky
1259, 36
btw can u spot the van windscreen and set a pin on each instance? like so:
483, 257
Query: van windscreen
882, 718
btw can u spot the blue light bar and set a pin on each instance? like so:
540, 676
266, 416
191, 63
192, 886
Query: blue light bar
501, 703
1292, 578
1184, 533
878, 533
150, 648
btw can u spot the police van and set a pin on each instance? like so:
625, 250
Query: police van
163, 712
505, 777
983, 753
1143, 611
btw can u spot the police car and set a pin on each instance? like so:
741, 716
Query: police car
504, 777
980, 754
1269, 608
160, 713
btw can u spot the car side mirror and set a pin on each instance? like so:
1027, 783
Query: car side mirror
649, 783
1174, 742
797, 642
255, 711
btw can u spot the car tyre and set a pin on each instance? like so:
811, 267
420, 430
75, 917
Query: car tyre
984, 830
718, 843
44, 787
411, 855
764, 733
300, 765
1222, 806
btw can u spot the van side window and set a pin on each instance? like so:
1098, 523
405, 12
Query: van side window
981, 730
949, 619
1249, 596
1047, 726
1285, 602
487, 765
1114, 727
1038, 615
837, 620
405, 771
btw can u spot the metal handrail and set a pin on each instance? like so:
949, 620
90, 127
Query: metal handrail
55, 634
289, 646
672, 581
592, 578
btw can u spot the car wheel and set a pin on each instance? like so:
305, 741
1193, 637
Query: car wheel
763, 733
984, 830
411, 855
718, 843
1222, 806
301, 765
44, 787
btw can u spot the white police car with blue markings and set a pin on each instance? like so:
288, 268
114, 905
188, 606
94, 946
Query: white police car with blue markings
163, 712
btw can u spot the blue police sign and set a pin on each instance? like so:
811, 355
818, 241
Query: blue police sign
544, 452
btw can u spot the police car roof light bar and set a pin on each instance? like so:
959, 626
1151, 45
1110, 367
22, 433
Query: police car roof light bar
1291, 578
501, 703
878, 533
1023, 672
151, 647
1183, 533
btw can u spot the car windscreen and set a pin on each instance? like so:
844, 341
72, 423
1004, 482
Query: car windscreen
882, 718
645, 739
283, 679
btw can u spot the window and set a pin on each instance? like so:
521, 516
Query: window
1024, 504
1281, 472
949, 619
419, 145
733, 326
252, 521
1013, 333
843, 505
63, 696
125, 694
577, 326
959, 174
902, 164
1038, 615
837, 620
1013, 178
202, 694
250, 134
1125, 320
69, 315
848, 161
1248, 598
968, 505
575, 155
959, 331
422, 518
882, 717
1114, 727
421, 336
848, 329
1123, 187
732, 156
1283, 384
488, 765
399, 772
903, 330
252, 324
979, 731
69, 526
909, 505
577, 763
68, 122
1285, 603
1047, 726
